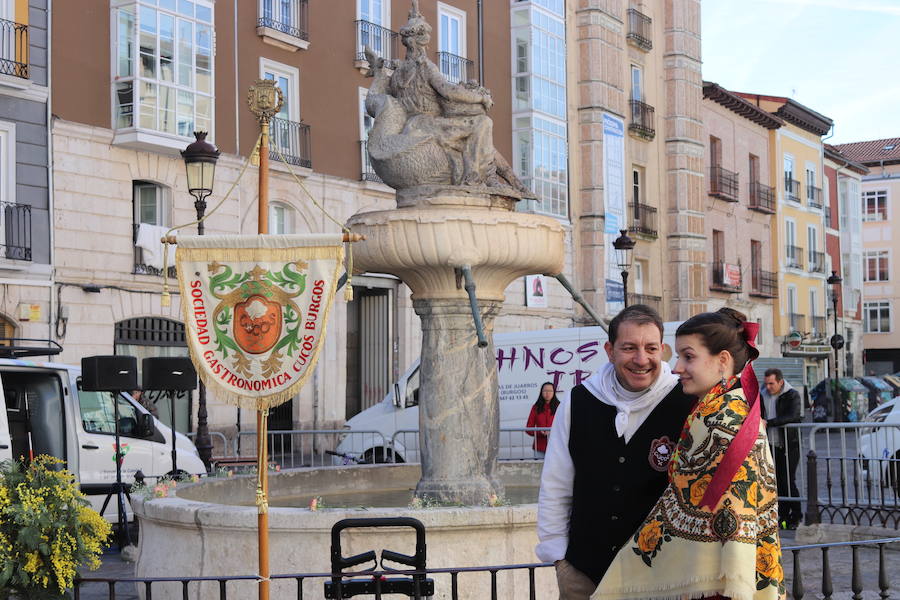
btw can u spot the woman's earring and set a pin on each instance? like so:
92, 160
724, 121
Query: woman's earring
723, 381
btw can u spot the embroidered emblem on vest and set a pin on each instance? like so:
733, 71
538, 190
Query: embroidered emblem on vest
725, 522
660, 453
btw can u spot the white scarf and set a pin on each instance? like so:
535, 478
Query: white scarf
632, 408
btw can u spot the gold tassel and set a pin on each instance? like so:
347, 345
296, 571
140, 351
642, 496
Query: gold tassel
262, 464
348, 289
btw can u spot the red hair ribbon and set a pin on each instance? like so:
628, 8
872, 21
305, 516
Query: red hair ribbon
742, 443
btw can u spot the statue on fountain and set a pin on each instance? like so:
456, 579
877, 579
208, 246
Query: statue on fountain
430, 135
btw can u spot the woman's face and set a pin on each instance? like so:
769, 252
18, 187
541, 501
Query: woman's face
547, 392
698, 369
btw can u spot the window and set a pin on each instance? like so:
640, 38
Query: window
281, 218
790, 235
755, 256
754, 169
286, 22
813, 302
875, 205
640, 267
877, 316
150, 204
163, 79
637, 83
151, 221
718, 246
715, 151
98, 414
288, 81
812, 235
15, 219
550, 167
636, 190
811, 184
452, 43
876, 263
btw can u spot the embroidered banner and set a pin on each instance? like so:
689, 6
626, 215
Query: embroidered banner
255, 311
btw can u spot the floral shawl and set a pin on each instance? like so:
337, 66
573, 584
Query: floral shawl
684, 550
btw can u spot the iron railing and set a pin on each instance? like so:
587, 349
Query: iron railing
455, 68
380, 39
828, 217
290, 139
13, 49
798, 321
643, 119
794, 255
726, 277
762, 197
653, 302
816, 262
640, 29
16, 230
818, 326
723, 184
791, 189
644, 219
814, 197
367, 172
290, 17
763, 283
140, 265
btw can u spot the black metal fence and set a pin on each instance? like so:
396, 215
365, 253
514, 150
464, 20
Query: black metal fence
816, 262
13, 49
643, 119
644, 219
794, 256
640, 28
380, 39
723, 184
290, 139
763, 283
368, 171
792, 189
287, 16
762, 197
17, 231
455, 68
814, 197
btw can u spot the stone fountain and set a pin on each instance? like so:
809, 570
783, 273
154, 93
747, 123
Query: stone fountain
457, 242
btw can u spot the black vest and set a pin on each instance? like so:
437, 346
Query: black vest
616, 484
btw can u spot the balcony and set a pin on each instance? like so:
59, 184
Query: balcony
640, 30
762, 198
816, 262
368, 173
791, 189
726, 277
284, 24
642, 120
13, 49
290, 140
17, 231
644, 220
651, 301
146, 263
798, 322
794, 255
723, 184
828, 217
763, 284
455, 68
818, 327
814, 197
380, 39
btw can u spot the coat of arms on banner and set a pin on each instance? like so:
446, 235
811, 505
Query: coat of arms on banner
256, 316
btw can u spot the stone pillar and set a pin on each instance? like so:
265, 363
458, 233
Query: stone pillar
459, 416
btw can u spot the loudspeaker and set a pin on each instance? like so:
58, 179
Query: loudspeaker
169, 373
109, 373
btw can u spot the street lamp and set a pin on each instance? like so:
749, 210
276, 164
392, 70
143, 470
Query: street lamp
837, 341
624, 245
200, 162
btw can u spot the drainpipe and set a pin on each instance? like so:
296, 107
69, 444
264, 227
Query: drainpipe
481, 42
50, 197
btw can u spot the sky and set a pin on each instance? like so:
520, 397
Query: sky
841, 58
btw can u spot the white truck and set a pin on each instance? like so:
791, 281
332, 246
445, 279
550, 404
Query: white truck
43, 411
388, 431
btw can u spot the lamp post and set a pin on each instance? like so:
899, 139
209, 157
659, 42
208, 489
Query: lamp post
624, 245
837, 341
200, 163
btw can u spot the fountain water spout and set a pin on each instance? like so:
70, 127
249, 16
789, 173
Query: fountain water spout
473, 302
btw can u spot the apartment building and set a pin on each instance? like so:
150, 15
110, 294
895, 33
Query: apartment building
740, 209
880, 251
134, 79
634, 115
843, 245
27, 304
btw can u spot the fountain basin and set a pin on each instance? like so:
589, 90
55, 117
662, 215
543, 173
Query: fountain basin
203, 531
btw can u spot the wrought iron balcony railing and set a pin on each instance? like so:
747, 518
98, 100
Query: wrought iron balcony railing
140, 262
13, 49
723, 184
814, 197
380, 39
643, 119
290, 17
818, 326
17, 231
290, 140
763, 283
726, 277
640, 29
798, 322
651, 301
762, 197
644, 219
794, 255
816, 262
792, 189
368, 173
455, 68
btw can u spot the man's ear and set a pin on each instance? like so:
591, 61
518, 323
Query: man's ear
609, 350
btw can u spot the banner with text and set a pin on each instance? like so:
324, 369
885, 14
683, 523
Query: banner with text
255, 311
614, 201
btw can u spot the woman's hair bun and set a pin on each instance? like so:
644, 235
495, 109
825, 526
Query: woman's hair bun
738, 317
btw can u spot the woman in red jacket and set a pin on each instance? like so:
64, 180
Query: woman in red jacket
542, 413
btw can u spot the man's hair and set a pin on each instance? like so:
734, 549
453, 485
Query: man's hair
779, 376
640, 314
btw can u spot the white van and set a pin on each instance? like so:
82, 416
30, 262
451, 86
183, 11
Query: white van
525, 360
42, 411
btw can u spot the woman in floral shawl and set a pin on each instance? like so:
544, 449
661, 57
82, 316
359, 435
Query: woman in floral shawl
714, 531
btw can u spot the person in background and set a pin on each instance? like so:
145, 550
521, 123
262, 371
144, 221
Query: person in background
781, 405
542, 413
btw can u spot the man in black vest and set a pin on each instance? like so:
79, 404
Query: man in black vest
608, 453
781, 406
